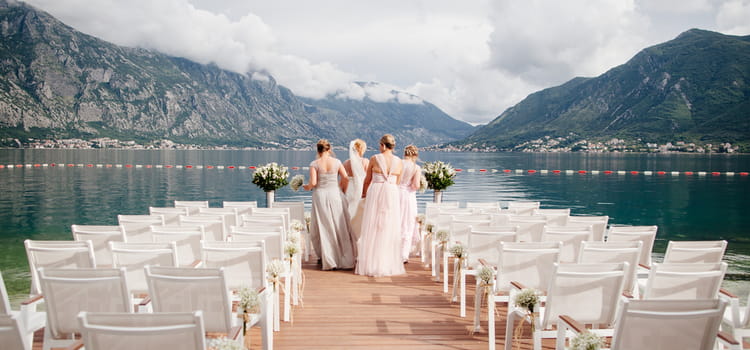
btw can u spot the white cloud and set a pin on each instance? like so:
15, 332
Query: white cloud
473, 59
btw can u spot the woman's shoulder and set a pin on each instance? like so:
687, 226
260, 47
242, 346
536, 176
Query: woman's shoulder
314, 163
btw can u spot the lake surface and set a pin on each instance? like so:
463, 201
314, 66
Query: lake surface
41, 202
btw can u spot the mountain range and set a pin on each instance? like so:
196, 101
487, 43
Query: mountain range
56, 82
694, 88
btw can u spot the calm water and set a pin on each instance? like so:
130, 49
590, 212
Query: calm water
42, 203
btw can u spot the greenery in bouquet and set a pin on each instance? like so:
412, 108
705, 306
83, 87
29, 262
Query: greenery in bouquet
271, 177
224, 344
297, 182
249, 300
527, 298
486, 274
422, 183
586, 341
439, 175
458, 251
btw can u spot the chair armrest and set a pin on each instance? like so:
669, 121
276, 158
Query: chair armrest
727, 339
727, 293
78, 344
235, 333
517, 285
572, 324
32, 300
485, 263
196, 263
645, 266
627, 295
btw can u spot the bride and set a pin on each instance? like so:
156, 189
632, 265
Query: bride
355, 168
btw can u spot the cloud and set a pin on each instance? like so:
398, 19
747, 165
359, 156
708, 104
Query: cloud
732, 17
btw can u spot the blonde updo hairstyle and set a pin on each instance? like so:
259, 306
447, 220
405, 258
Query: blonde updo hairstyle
323, 146
360, 146
411, 151
388, 141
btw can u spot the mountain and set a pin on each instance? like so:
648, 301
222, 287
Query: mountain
56, 82
695, 88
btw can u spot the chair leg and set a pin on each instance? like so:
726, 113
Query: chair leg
462, 296
445, 272
478, 296
287, 298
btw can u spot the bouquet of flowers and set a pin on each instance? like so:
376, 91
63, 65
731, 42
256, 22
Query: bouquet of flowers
297, 182
224, 344
271, 177
439, 175
249, 300
586, 341
422, 183
458, 251
296, 225
527, 298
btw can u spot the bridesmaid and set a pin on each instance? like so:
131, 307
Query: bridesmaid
355, 167
408, 189
330, 230
380, 243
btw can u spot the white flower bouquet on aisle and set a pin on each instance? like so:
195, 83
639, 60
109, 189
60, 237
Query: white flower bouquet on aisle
439, 175
224, 344
271, 177
586, 341
297, 182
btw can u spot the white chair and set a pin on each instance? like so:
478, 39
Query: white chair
191, 205
297, 212
736, 317
485, 207
695, 251
171, 214
134, 257
558, 217
122, 331
70, 291
214, 226
588, 293
530, 228
686, 281
598, 224
100, 236
285, 213
23, 322
12, 334
482, 245
614, 252
243, 207
645, 234
138, 227
187, 238
529, 263
231, 215
57, 254
179, 289
570, 236
663, 325
523, 207
271, 235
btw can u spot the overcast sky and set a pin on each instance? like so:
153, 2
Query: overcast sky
471, 58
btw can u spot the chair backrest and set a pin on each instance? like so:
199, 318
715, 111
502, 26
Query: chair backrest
118, 331
587, 292
4, 299
184, 289
484, 240
100, 236
271, 235
231, 215
483, 205
135, 256
57, 254
684, 281
244, 263
668, 324
296, 209
695, 251
285, 213
11, 334
187, 238
530, 263
522, 207
191, 205
598, 224
138, 227
554, 216
530, 228
645, 234
460, 227
171, 214
243, 208
614, 252
214, 226
70, 291
570, 236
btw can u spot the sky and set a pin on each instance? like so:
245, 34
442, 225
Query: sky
471, 58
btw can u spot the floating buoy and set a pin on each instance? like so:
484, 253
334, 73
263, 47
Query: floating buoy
744, 173
715, 173
459, 170
189, 166
482, 170
128, 166
231, 167
506, 170
634, 172
251, 167
209, 166
90, 165
688, 173
168, 166
555, 171
581, 171
661, 172
295, 168
531, 171
607, 172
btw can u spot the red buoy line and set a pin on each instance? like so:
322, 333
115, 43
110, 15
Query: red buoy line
458, 170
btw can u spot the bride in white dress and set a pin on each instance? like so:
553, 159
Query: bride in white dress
355, 168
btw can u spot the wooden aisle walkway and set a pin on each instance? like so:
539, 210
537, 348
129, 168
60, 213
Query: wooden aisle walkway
346, 311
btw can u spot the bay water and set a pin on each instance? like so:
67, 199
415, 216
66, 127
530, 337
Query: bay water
40, 201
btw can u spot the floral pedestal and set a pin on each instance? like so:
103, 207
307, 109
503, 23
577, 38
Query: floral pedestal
437, 197
269, 198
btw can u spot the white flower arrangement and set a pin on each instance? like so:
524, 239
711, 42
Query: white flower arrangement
297, 182
296, 225
486, 274
439, 175
249, 300
275, 268
294, 237
442, 236
291, 248
586, 341
458, 251
422, 183
271, 177
224, 344
527, 298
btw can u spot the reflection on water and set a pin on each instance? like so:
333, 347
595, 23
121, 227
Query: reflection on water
42, 203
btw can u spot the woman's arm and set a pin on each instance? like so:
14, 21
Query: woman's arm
313, 179
343, 179
415, 178
368, 178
